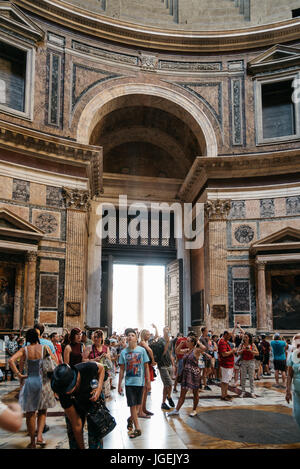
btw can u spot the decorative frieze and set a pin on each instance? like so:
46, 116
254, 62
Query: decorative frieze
76, 198
170, 65
105, 53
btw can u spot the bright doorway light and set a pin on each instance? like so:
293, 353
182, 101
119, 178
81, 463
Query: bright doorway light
138, 297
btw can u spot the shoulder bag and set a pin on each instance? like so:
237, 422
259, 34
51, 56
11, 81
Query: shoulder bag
100, 420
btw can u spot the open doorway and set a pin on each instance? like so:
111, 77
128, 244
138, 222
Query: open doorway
138, 297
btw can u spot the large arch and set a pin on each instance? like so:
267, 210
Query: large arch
99, 106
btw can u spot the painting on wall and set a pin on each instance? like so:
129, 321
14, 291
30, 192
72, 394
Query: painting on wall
286, 302
7, 292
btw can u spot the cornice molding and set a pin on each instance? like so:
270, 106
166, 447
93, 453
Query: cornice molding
39, 145
146, 37
237, 166
16, 138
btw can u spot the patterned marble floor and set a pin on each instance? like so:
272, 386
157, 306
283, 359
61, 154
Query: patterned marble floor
184, 432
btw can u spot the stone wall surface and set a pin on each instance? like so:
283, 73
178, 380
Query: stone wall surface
194, 14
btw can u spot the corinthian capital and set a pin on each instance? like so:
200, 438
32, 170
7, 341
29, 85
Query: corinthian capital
76, 198
217, 209
31, 256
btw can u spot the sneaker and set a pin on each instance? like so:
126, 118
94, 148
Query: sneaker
173, 412
171, 402
207, 388
193, 413
164, 406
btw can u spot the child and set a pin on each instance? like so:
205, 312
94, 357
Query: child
134, 360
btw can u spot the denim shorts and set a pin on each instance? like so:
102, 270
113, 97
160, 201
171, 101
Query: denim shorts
134, 395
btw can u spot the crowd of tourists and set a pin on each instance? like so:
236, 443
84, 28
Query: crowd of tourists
80, 372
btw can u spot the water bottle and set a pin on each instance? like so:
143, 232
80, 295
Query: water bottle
94, 384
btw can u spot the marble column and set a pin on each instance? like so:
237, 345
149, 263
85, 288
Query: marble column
77, 204
216, 251
94, 267
18, 296
262, 325
30, 288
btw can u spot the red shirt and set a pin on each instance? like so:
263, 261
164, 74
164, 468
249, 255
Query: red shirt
58, 351
178, 342
225, 362
247, 354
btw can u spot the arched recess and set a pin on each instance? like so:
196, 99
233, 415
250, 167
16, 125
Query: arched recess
107, 101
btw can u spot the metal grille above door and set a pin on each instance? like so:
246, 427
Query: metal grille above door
159, 233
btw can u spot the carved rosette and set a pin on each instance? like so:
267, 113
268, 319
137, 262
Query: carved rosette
76, 198
217, 209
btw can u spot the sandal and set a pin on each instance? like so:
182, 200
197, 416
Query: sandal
31, 446
129, 424
42, 443
148, 413
135, 434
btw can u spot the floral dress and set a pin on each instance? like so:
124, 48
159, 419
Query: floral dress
191, 373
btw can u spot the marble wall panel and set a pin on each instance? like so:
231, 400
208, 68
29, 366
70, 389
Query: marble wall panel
280, 207
241, 272
293, 205
48, 317
238, 209
269, 227
54, 196
21, 190
47, 265
48, 291
252, 209
267, 208
244, 319
37, 194
6, 185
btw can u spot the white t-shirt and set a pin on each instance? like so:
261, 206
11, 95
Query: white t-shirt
3, 407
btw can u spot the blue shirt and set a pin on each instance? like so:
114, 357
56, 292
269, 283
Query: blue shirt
278, 347
134, 361
296, 370
46, 342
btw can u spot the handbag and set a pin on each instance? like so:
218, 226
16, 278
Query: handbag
100, 420
48, 365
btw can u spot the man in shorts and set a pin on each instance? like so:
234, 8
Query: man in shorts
226, 361
162, 351
134, 362
279, 348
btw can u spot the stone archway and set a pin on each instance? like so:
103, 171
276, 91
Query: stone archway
96, 126
100, 105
